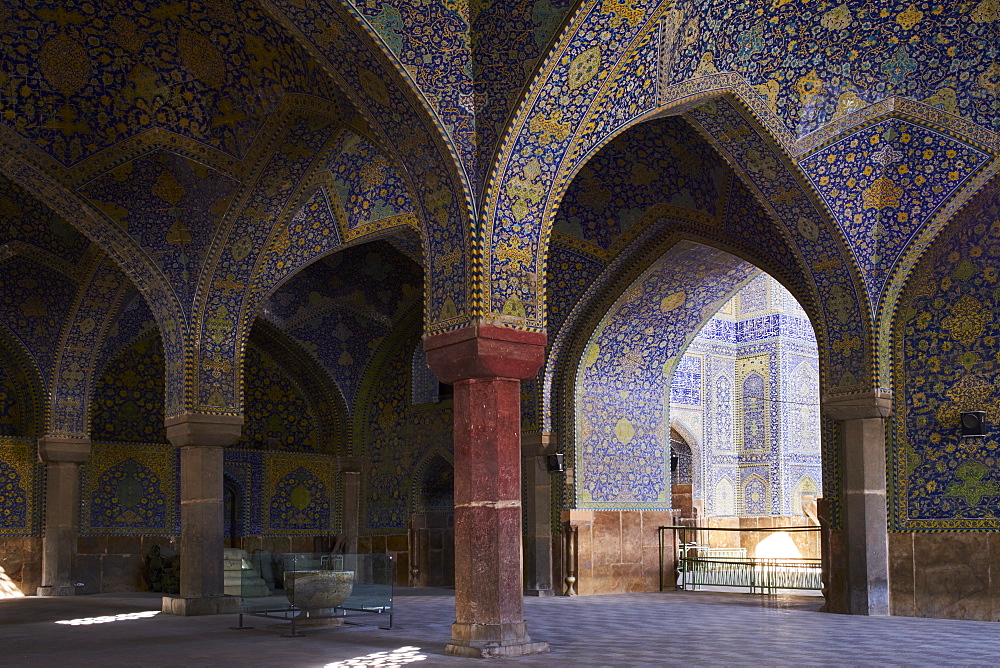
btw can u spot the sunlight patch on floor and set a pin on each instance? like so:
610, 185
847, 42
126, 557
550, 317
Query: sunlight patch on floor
396, 657
86, 621
7, 587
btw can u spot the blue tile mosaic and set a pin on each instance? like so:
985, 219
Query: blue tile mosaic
90, 75
622, 439
21, 484
776, 407
945, 358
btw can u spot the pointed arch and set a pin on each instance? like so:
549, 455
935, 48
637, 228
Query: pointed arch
431, 476
364, 72
619, 392
685, 433
823, 280
804, 425
805, 487
121, 249
399, 338
722, 502
320, 391
722, 400
28, 384
235, 502
697, 456
129, 326
755, 497
98, 302
222, 304
302, 236
661, 231
386, 422
754, 393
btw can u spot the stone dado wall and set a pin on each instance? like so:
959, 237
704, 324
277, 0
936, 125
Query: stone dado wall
21, 562
617, 551
950, 575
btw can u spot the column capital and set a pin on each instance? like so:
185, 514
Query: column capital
203, 429
538, 443
858, 405
52, 449
350, 463
485, 351
578, 517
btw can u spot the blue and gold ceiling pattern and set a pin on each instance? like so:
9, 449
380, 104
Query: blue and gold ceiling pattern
80, 77
815, 61
235, 159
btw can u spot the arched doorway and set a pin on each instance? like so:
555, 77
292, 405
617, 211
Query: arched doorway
681, 492
432, 524
233, 518
688, 408
653, 237
747, 389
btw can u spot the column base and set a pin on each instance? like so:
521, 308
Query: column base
539, 592
493, 650
871, 603
201, 605
486, 641
56, 590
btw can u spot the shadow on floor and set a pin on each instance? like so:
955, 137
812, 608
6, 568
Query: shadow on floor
32, 609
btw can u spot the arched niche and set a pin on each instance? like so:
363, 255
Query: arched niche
681, 474
432, 522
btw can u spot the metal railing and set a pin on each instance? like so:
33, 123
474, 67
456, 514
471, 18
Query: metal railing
699, 565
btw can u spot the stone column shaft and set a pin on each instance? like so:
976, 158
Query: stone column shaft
862, 419
866, 518
538, 534
202, 522
488, 511
350, 470
486, 365
62, 458
201, 439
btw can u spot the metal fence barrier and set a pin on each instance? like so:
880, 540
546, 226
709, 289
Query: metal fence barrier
699, 565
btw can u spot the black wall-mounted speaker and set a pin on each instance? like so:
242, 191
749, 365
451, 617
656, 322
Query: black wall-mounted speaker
973, 423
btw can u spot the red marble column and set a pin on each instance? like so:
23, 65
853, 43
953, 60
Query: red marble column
486, 364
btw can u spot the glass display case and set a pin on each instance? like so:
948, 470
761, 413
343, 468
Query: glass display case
314, 590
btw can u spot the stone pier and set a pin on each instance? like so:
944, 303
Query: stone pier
535, 449
62, 458
486, 364
201, 439
350, 471
865, 536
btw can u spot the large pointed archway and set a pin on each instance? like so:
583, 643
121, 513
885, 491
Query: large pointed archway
656, 230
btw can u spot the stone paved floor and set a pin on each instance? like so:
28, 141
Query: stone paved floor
657, 629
